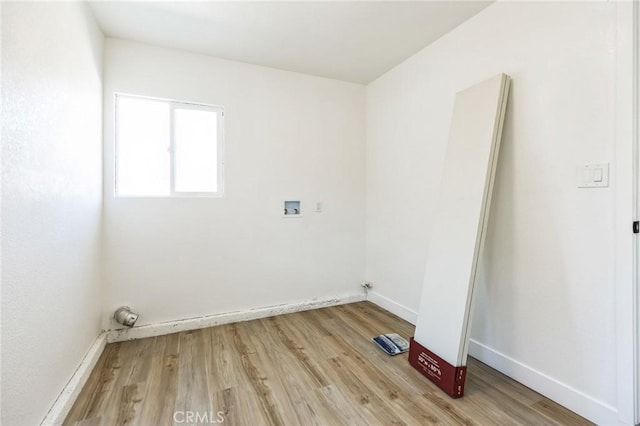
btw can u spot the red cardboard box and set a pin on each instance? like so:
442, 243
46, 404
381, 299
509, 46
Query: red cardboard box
447, 377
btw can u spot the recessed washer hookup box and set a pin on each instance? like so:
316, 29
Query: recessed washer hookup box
447, 377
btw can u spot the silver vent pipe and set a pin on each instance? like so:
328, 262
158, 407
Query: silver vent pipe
125, 317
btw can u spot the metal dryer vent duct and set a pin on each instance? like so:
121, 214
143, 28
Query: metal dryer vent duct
124, 316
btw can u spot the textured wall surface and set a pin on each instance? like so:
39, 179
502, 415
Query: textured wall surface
546, 300
51, 201
288, 136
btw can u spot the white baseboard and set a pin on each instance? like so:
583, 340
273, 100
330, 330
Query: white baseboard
585, 405
393, 307
60, 409
176, 326
575, 400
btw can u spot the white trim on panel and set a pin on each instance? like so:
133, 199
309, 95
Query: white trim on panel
625, 291
635, 118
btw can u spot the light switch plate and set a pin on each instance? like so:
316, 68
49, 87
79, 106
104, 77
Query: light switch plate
593, 175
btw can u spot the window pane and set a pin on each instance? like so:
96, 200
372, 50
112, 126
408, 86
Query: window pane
196, 153
143, 159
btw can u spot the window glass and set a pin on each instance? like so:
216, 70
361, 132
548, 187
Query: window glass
196, 154
166, 148
143, 140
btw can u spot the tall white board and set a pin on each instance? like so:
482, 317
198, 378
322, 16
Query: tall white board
458, 233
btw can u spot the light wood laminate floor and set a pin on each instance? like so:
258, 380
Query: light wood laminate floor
317, 367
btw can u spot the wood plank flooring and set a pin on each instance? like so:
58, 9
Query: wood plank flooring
310, 368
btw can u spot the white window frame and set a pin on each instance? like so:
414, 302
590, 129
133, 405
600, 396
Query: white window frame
173, 105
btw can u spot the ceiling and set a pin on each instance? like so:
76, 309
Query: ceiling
354, 41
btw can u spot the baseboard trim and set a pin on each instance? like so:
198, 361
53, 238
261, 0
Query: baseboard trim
594, 410
393, 307
573, 399
186, 324
61, 407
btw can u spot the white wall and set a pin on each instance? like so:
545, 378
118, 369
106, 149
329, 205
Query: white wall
546, 304
51, 201
288, 136
545, 311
